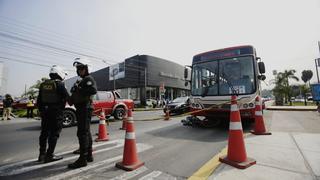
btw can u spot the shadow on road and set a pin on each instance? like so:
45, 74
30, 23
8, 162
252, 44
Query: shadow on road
212, 134
31, 128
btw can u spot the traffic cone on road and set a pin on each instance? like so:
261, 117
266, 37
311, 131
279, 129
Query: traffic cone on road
103, 134
130, 159
124, 121
237, 155
167, 116
259, 128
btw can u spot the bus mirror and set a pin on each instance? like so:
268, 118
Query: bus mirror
261, 67
185, 73
262, 77
186, 83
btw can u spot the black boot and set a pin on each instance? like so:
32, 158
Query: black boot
52, 157
81, 162
41, 157
89, 156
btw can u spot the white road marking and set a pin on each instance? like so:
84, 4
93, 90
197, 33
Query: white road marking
30, 168
130, 174
140, 147
151, 175
21, 163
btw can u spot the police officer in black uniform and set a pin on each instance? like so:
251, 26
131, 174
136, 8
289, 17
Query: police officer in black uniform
51, 102
81, 97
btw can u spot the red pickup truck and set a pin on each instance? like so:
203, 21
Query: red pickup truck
108, 101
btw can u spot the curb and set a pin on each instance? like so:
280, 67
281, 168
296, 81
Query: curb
204, 172
139, 110
291, 109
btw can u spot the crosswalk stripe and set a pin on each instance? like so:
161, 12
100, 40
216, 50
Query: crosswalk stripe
30, 168
151, 175
131, 174
21, 163
141, 147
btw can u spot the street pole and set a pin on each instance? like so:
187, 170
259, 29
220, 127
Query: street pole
317, 64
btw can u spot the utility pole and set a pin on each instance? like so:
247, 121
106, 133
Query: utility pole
317, 62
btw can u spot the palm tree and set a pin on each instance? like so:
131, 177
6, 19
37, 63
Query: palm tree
33, 90
304, 89
306, 76
282, 83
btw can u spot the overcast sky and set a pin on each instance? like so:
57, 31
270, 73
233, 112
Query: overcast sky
285, 33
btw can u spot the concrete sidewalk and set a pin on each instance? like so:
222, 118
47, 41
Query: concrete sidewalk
279, 156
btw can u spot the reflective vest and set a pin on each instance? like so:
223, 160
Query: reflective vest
30, 103
49, 94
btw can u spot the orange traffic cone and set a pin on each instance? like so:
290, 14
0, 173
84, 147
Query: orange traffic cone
103, 134
167, 116
130, 159
124, 121
237, 155
259, 128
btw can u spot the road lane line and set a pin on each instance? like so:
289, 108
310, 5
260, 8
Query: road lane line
141, 147
30, 168
21, 163
131, 174
151, 175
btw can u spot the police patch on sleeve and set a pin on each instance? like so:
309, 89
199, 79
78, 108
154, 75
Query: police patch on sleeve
89, 83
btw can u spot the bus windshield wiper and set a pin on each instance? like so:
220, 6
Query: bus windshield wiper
226, 78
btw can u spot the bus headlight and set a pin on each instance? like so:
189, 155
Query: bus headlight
251, 105
245, 105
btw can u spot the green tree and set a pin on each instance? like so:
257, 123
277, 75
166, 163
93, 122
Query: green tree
304, 90
34, 89
283, 88
306, 76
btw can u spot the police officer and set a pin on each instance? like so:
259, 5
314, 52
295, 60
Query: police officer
81, 97
51, 102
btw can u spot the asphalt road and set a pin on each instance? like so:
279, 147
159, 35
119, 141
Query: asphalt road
169, 149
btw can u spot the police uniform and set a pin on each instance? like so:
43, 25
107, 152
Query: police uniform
51, 102
81, 97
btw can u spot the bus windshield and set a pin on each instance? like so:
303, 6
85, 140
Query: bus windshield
224, 77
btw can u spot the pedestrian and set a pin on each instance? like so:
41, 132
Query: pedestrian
30, 107
51, 102
82, 93
7, 107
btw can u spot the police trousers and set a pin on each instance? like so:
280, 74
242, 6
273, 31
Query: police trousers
83, 113
51, 125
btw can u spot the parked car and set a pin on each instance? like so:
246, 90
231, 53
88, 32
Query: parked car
179, 105
151, 102
108, 101
20, 103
